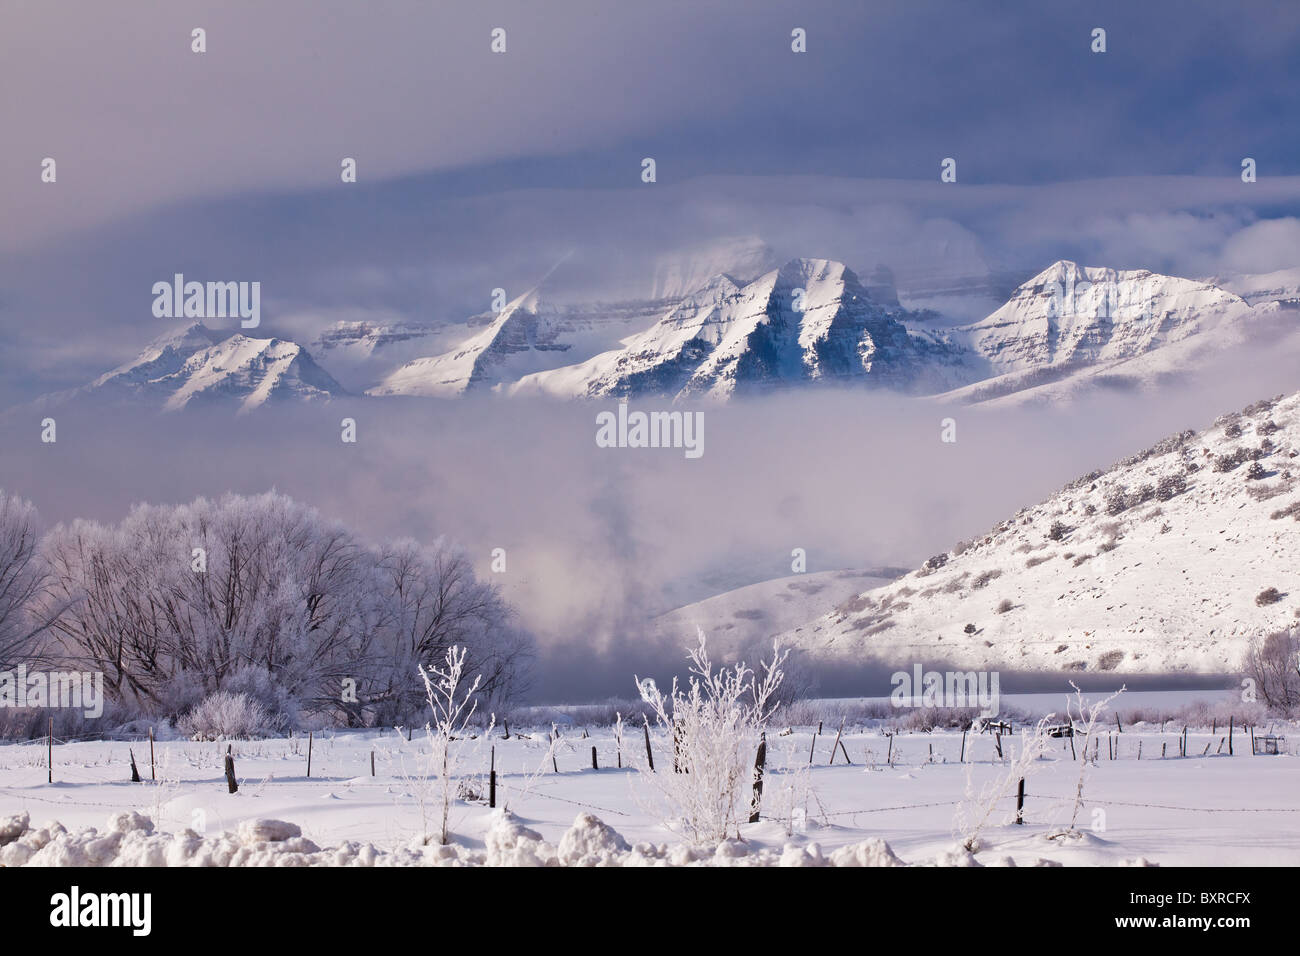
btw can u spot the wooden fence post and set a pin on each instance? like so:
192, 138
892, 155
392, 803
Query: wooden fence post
152, 775
372, 763
309, 742
1020, 802
649, 754
49, 750
963, 746
812, 749
593, 758
838, 734
759, 761
135, 774
492, 780
231, 784
1231, 721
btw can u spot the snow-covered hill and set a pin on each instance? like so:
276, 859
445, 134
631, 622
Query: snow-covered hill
810, 322
750, 617
1169, 561
196, 365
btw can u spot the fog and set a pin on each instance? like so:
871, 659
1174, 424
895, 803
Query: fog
598, 540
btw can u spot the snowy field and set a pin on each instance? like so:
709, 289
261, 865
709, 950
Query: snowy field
909, 790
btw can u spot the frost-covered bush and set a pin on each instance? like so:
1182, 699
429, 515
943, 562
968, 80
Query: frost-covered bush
224, 715
1223, 463
1058, 530
1117, 500
1004, 606
1255, 472
1171, 485
713, 725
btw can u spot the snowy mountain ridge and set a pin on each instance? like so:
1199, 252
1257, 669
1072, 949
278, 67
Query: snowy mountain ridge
810, 323
196, 365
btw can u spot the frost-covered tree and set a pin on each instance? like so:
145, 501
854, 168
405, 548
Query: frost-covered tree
264, 596
23, 580
1273, 663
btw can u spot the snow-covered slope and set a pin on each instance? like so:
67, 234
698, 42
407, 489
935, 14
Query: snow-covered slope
360, 353
810, 322
747, 617
197, 365
1281, 287
523, 335
1162, 563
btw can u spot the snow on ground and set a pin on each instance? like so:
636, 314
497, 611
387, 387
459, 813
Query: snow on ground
1208, 808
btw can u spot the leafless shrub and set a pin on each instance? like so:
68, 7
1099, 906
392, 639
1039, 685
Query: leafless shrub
1267, 596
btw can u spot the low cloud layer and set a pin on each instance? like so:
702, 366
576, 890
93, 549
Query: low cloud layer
598, 539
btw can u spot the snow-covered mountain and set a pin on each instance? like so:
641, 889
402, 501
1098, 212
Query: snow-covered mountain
527, 336
1072, 329
810, 322
1171, 560
1070, 315
196, 365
